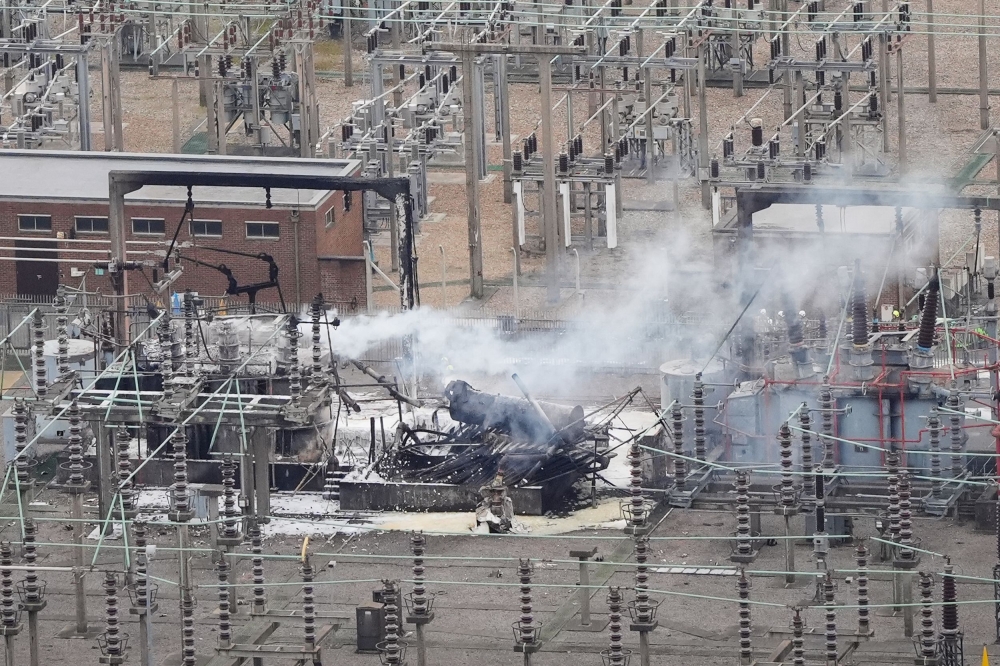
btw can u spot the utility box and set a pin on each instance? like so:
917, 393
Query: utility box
371, 626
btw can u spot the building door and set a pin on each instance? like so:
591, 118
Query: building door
36, 278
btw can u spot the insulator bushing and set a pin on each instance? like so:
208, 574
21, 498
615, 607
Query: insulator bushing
785, 452
518, 162
526, 623
713, 168
677, 434
745, 628
892, 471
831, 620
225, 628
112, 635
934, 449
808, 481
563, 163
744, 543
609, 163
826, 404
616, 653
928, 316
859, 309
861, 559
124, 469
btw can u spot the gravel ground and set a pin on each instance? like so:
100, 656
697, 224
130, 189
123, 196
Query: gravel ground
477, 597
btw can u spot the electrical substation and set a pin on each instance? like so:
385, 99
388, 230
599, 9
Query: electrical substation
416, 332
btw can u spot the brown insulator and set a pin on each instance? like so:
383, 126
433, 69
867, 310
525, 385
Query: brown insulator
928, 316
831, 620
189, 656
643, 607
616, 655
225, 628
892, 470
744, 545
309, 605
179, 491
165, 337
526, 623
859, 309
32, 591
798, 644
190, 342
419, 597
637, 503
41, 374
677, 432
143, 598
230, 513
62, 331
808, 481
905, 518
124, 469
928, 640
112, 636
294, 380
957, 435
9, 613
21, 415
75, 447
826, 404
787, 480
934, 433
746, 648
861, 555
316, 313
699, 418
257, 564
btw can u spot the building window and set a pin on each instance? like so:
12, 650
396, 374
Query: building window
329, 218
206, 228
147, 226
92, 225
34, 222
262, 230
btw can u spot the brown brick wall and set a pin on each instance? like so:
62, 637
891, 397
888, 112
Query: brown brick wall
344, 238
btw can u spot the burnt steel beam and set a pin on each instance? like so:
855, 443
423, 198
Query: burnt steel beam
396, 190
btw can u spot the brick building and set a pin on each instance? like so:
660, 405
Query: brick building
54, 219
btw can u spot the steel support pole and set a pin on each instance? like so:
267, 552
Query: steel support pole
706, 188
883, 92
503, 94
931, 60
549, 220
984, 97
83, 97
900, 111
9, 650
107, 111
175, 115
33, 637
650, 142
789, 552
348, 65
472, 178
79, 591
584, 592
643, 648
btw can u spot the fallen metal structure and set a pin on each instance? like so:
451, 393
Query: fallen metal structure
543, 446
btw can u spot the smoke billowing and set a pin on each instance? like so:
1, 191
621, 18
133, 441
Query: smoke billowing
676, 297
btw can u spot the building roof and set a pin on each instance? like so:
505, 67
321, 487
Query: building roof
52, 175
